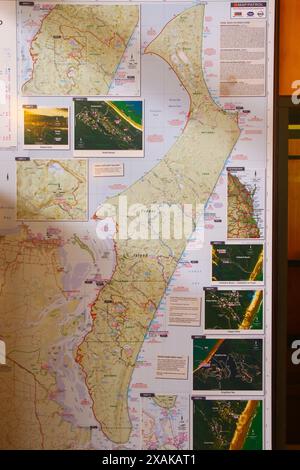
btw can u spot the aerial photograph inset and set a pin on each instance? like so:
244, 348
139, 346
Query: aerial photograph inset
227, 364
46, 127
227, 424
237, 263
111, 127
233, 309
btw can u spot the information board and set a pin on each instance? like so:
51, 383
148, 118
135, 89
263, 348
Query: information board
136, 171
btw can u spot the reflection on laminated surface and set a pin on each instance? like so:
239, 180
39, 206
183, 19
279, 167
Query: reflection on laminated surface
2, 353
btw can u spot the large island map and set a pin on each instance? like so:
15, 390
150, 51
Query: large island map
187, 174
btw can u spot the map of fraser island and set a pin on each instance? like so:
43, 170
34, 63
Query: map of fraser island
52, 190
127, 303
74, 42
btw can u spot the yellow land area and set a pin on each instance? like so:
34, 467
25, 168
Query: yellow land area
214, 257
165, 401
34, 316
186, 175
134, 124
51, 112
243, 425
258, 267
252, 310
210, 355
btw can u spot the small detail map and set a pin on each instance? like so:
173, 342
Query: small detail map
227, 424
227, 364
165, 421
68, 43
237, 263
245, 201
233, 309
52, 190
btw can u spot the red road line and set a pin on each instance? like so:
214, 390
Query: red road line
32, 41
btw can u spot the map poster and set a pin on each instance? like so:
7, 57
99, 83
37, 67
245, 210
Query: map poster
45, 128
136, 225
108, 128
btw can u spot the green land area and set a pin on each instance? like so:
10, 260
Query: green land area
132, 109
226, 309
227, 364
215, 424
101, 125
237, 262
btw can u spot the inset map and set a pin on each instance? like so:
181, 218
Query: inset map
108, 128
46, 127
237, 263
227, 364
52, 190
79, 50
165, 422
245, 203
227, 424
233, 309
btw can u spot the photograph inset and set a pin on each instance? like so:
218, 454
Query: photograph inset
111, 128
233, 309
46, 127
227, 364
237, 263
227, 424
